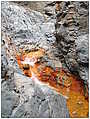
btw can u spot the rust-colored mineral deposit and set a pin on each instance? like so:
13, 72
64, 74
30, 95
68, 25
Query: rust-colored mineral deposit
60, 80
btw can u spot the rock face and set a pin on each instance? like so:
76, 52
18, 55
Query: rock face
83, 56
21, 97
62, 30
10, 100
72, 36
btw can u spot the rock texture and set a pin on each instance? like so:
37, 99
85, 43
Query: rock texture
83, 56
23, 28
72, 36
61, 28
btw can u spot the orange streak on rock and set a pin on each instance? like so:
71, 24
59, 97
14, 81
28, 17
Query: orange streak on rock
77, 105
60, 80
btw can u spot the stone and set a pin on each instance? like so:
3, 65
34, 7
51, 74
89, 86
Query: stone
40, 96
44, 109
76, 55
72, 40
69, 17
71, 12
71, 29
4, 64
71, 6
54, 105
19, 113
72, 64
9, 101
29, 29
83, 48
57, 63
49, 11
84, 74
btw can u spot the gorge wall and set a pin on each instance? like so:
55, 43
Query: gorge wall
72, 36
61, 28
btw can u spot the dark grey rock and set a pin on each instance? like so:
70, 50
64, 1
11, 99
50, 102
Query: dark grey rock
72, 65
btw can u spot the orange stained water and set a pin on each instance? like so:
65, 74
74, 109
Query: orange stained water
60, 80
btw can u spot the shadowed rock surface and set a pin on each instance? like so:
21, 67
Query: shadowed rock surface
72, 36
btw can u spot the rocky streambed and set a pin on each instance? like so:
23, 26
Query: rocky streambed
24, 30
